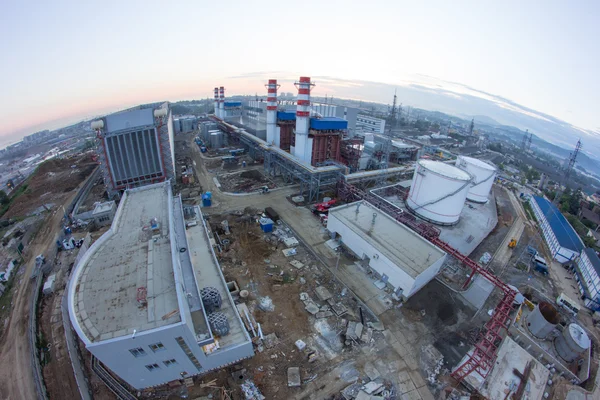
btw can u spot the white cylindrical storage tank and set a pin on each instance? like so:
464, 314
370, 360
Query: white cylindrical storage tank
438, 192
542, 320
483, 177
572, 343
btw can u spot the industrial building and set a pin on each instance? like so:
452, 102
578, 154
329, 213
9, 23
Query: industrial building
587, 275
135, 147
185, 124
561, 238
148, 298
400, 257
366, 123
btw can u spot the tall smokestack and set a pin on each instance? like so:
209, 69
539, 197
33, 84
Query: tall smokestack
272, 111
222, 102
217, 102
301, 150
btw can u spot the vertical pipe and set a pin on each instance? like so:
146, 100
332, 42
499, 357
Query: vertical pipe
302, 120
272, 111
217, 112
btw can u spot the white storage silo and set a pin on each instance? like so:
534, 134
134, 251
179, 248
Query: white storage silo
572, 343
542, 320
483, 177
438, 192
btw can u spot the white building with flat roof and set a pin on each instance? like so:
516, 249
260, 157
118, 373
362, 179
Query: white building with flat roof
135, 295
400, 257
366, 123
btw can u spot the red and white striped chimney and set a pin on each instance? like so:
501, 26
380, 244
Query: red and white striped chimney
222, 102
217, 102
301, 150
272, 87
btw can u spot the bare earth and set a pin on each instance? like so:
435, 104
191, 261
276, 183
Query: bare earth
16, 375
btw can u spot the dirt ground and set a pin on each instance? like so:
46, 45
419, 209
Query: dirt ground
249, 180
16, 375
96, 194
51, 183
261, 268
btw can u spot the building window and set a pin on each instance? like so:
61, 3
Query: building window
137, 352
157, 347
152, 367
170, 363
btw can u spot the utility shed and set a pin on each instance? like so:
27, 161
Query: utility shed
401, 258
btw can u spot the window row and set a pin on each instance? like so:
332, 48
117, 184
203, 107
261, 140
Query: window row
140, 352
168, 363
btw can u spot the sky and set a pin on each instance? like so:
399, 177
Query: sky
68, 60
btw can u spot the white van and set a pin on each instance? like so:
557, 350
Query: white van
568, 304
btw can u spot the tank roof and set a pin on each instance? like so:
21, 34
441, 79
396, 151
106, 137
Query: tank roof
579, 336
478, 162
444, 169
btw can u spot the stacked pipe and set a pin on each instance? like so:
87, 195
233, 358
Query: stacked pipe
272, 111
222, 102
217, 113
301, 151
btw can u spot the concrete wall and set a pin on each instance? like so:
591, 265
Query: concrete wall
397, 277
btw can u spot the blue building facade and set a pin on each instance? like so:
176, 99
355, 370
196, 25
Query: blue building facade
564, 243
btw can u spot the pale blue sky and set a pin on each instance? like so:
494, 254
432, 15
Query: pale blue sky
67, 59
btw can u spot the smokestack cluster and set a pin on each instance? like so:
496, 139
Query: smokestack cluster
222, 102
272, 87
217, 114
302, 149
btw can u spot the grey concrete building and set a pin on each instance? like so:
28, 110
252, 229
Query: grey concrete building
135, 147
148, 298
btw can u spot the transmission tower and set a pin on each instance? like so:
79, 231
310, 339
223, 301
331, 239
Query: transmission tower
524, 141
529, 141
392, 116
568, 170
471, 127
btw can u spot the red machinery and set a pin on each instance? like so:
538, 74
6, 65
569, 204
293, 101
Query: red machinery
484, 353
323, 207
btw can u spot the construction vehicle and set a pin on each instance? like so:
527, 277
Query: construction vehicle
512, 244
323, 208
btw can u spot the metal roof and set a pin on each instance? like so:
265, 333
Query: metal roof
328, 123
564, 232
401, 245
594, 259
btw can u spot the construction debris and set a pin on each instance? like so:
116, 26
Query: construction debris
250, 391
294, 377
270, 340
354, 330
266, 304
322, 293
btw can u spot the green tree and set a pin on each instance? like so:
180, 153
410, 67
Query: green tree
4, 200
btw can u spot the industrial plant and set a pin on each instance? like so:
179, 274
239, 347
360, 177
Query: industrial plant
283, 246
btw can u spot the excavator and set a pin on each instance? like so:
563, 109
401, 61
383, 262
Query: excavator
512, 243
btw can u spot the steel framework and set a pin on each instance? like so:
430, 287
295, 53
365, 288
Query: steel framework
484, 353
